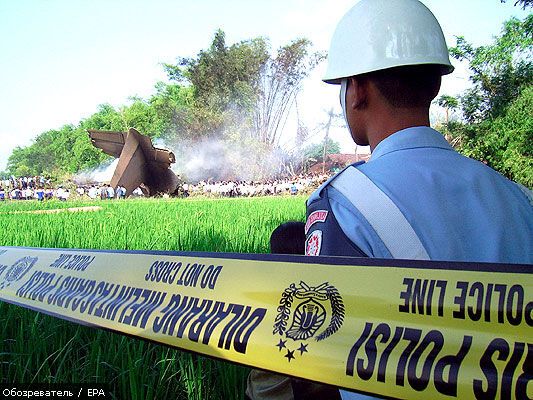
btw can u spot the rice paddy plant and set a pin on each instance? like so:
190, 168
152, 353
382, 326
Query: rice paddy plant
42, 349
32, 205
230, 225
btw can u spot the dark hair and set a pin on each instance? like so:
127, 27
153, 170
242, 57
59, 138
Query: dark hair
288, 238
408, 86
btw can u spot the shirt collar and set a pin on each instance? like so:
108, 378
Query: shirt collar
411, 138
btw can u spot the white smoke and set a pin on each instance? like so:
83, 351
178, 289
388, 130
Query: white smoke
102, 174
207, 158
219, 159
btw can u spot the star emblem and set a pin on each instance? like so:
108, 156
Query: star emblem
303, 348
290, 355
281, 344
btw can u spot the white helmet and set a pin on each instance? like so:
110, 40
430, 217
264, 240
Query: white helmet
381, 34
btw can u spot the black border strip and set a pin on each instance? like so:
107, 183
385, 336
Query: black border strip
116, 331
323, 260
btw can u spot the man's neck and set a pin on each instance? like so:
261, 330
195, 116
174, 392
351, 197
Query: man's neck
394, 120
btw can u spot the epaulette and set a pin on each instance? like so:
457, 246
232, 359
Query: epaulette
316, 194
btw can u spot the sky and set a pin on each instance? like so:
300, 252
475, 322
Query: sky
60, 59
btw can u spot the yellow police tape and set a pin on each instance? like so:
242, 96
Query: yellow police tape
404, 329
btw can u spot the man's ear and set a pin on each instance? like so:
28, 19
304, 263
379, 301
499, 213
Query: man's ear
357, 93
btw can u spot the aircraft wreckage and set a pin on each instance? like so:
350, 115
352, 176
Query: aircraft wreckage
140, 164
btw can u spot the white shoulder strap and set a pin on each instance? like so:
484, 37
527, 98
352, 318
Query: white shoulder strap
382, 214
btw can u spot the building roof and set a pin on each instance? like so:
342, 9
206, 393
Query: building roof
338, 161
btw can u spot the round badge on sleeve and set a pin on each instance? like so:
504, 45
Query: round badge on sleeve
313, 244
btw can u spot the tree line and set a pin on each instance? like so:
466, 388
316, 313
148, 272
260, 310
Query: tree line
242, 94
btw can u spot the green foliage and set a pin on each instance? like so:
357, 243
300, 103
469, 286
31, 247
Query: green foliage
140, 115
316, 151
448, 102
172, 105
68, 150
242, 87
224, 79
54, 153
18, 161
498, 71
499, 129
106, 118
505, 143
523, 3
223, 76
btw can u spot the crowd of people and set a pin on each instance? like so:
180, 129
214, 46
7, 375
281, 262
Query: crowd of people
41, 188
33, 187
103, 192
298, 184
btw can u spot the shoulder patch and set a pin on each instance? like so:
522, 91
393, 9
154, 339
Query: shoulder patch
313, 244
314, 217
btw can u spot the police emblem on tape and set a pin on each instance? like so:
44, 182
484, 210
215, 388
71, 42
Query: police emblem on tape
313, 244
308, 308
17, 271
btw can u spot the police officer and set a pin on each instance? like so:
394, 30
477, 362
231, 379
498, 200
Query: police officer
416, 198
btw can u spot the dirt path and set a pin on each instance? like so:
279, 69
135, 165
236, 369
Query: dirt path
59, 210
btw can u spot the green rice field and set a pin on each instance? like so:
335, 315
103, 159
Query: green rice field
36, 348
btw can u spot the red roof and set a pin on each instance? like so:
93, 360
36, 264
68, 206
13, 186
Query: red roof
338, 161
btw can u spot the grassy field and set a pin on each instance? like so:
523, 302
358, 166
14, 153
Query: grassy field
41, 349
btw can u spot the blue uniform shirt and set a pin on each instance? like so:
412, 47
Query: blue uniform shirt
460, 209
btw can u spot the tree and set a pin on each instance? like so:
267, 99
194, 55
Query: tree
281, 78
224, 79
141, 115
505, 143
105, 118
17, 163
499, 128
449, 103
84, 156
172, 105
523, 3
58, 152
241, 95
315, 152
498, 71
298, 161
